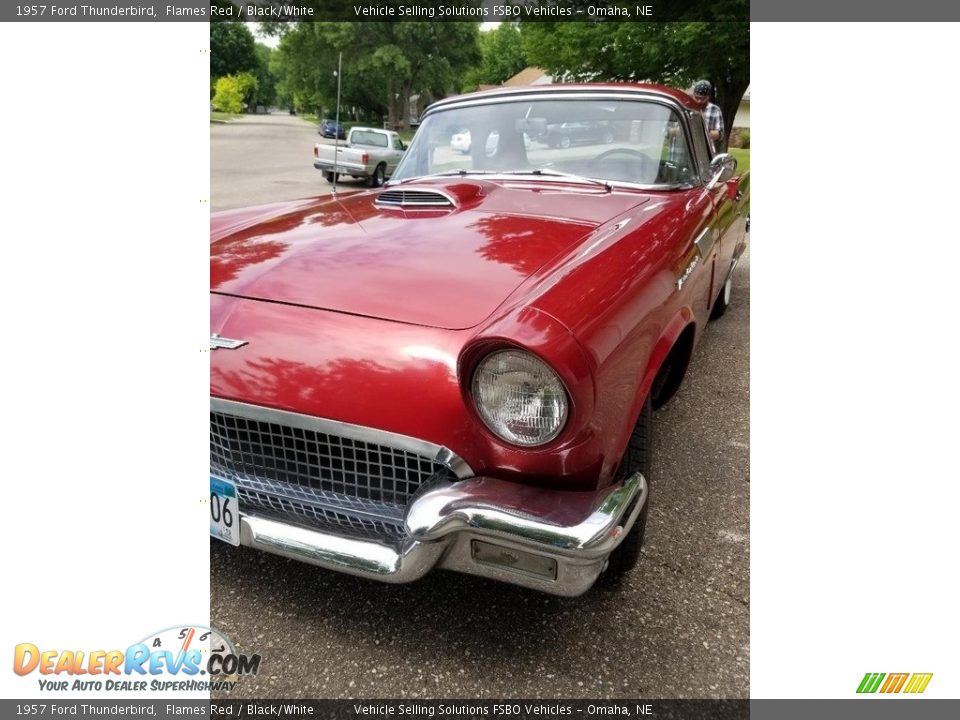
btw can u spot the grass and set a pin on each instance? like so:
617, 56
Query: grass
743, 159
219, 117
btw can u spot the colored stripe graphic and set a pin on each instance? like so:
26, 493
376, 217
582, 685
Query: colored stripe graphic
894, 682
918, 682
870, 682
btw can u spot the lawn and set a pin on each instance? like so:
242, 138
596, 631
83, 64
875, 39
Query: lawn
219, 117
743, 159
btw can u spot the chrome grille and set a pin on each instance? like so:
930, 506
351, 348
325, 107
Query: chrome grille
317, 478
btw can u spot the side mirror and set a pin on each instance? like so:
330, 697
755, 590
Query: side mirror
723, 166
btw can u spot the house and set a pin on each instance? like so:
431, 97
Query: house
529, 76
742, 118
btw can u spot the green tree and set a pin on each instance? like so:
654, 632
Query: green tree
674, 54
232, 49
502, 56
228, 95
266, 94
384, 63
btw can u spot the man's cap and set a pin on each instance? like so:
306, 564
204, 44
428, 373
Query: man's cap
701, 87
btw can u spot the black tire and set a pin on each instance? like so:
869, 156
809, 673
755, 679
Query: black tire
722, 302
379, 173
328, 176
637, 458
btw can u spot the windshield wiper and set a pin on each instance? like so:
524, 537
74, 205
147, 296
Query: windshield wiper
449, 173
568, 176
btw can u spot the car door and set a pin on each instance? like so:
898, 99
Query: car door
717, 243
394, 153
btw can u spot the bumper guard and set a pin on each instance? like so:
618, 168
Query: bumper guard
553, 541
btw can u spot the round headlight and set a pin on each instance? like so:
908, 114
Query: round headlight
520, 398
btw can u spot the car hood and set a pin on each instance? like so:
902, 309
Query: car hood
447, 268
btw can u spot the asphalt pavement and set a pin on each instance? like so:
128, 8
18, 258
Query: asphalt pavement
258, 159
677, 627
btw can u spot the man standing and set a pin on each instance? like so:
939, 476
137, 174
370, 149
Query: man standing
712, 117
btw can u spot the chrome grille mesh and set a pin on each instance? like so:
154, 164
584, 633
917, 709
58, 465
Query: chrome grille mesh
414, 198
316, 478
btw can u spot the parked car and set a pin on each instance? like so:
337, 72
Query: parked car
460, 141
370, 154
332, 129
460, 370
565, 134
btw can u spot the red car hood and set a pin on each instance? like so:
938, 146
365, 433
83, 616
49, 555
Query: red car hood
441, 268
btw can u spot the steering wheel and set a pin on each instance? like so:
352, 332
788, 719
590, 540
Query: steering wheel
639, 163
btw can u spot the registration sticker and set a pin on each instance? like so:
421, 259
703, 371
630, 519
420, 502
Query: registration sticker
224, 513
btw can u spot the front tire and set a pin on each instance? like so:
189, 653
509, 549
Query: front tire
637, 458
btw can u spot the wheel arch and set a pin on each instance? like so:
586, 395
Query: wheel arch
669, 362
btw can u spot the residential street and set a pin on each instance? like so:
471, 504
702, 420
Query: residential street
259, 159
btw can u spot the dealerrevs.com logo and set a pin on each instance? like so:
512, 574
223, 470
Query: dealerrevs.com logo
181, 658
912, 683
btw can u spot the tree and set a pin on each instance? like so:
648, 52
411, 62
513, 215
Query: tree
674, 54
266, 93
502, 57
232, 49
384, 63
228, 95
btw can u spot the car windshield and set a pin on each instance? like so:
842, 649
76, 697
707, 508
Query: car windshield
609, 139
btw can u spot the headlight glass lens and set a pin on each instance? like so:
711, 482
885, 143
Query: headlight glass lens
520, 398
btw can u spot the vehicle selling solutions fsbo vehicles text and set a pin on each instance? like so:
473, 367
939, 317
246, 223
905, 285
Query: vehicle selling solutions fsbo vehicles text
497, 12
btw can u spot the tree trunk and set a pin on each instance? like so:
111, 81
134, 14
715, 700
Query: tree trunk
729, 96
391, 106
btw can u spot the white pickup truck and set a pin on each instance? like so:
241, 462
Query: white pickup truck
369, 153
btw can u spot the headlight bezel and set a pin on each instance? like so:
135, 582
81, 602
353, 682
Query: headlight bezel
488, 419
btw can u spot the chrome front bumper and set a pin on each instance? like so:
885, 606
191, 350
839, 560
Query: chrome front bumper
549, 540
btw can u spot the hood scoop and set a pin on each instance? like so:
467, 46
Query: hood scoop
455, 195
415, 199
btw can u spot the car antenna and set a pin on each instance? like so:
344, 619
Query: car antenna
336, 129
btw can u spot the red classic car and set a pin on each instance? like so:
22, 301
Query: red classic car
459, 370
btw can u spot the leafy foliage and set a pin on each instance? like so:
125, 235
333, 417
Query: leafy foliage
502, 57
266, 93
674, 54
232, 92
384, 63
228, 96
232, 49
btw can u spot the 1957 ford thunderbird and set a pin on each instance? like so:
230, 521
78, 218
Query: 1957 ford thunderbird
459, 370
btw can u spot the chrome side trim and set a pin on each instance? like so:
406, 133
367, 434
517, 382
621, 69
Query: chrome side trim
738, 253
217, 342
576, 529
705, 241
457, 465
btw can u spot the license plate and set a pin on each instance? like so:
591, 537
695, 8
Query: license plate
224, 513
